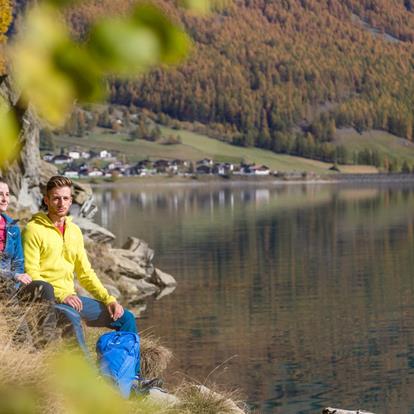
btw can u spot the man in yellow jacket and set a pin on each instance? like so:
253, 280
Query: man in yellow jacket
54, 252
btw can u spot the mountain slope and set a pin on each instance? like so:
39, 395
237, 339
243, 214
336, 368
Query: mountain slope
284, 74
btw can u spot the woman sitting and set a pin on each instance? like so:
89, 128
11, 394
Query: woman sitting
15, 285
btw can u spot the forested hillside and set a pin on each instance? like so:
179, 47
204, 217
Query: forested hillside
283, 74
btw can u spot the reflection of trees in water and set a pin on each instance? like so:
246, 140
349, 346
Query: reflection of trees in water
317, 299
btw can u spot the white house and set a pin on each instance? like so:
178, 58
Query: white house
260, 170
75, 155
105, 154
95, 173
71, 174
61, 159
86, 155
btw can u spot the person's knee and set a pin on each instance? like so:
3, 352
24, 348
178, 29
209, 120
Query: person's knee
43, 290
129, 321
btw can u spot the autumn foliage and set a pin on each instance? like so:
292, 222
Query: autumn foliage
5, 20
284, 74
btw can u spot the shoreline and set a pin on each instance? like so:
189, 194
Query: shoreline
395, 178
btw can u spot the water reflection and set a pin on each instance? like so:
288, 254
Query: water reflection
309, 290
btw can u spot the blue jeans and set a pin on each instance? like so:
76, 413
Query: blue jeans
95, 314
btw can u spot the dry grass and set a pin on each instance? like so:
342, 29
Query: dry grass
199, 399
154, 357
24, 364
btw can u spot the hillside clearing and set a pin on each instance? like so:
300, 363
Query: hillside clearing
193, 147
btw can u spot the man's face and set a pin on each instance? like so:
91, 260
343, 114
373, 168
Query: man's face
58, 201
4, 197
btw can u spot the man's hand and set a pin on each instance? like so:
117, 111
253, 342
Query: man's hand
24, 278
115, 310
74, 301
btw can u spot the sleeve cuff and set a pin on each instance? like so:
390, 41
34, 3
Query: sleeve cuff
109, 300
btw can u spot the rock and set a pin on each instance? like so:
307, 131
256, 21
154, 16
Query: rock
229, 405
81, 192
130, 269
136, 289
140, 248
163, 279
83, 196
131, 255
113, 290
162, 398
88, 209
127, 267
93, 231
165, 292
22, 174
47, 170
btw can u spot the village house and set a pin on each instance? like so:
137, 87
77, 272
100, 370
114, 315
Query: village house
258, 170
61, 159
75, 155
204, 169
115, 165
95, 172
206, 161
161, 166
104, 154
48, 157
223, 168
71, 173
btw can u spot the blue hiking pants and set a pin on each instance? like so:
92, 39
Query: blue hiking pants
95, 314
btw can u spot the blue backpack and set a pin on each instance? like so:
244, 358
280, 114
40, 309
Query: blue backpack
119, 358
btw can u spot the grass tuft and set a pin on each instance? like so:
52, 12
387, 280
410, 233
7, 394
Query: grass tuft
199, 399
154, 357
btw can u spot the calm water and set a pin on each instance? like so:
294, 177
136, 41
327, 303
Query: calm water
300, 296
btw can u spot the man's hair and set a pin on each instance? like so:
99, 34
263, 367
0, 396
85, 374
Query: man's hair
58, 181
3, 181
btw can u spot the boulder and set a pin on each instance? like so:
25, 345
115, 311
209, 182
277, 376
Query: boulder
127, 267
113, 290
140, 248
165, 292
163, 279
22, 174
83, 197
93, 231
47, 170
136, 289
81, 192
161, 397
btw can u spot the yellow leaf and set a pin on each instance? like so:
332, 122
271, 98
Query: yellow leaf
9, 132
42, 84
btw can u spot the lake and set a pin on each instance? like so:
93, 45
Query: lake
301, 296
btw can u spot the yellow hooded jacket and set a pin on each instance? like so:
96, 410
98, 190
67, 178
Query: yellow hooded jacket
54, 258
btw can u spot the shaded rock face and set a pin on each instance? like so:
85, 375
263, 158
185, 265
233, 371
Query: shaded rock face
23, 174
